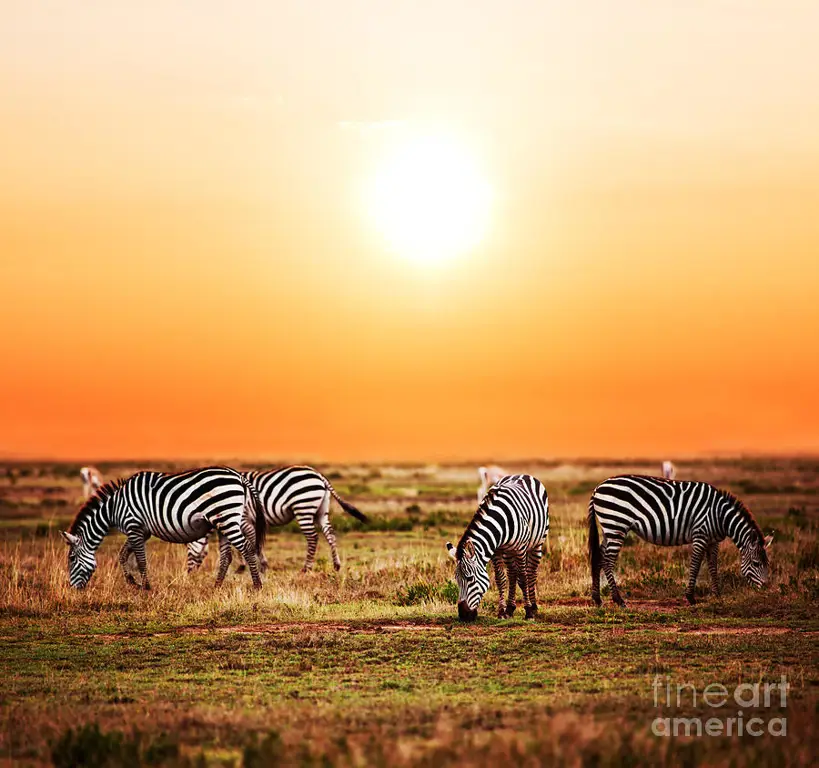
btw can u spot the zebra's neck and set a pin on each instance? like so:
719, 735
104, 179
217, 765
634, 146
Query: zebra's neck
736, 524
483, 549
93, 527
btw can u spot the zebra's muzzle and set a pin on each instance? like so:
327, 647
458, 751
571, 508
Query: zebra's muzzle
465, 613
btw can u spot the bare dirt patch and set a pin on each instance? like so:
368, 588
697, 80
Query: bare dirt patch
371, 629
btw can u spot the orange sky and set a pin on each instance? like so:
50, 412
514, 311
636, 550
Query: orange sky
185, 269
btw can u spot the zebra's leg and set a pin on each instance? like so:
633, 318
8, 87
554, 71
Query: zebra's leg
323, 519
252, 560
225, 556
197, 552
611, 550
124, 555
596, 565
713, 551
501, 582
136, 542
533, 558
698, 548
242, 567
243, 538
250, 551
511, 569
522, 579
307, 523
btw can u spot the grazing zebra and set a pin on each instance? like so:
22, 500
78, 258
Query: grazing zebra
302, 493
670, 513
177, 508
91, 481
509, 528
669, 470
489, 476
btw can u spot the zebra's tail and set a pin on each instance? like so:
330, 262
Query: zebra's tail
595, 554
345, 505
259, 522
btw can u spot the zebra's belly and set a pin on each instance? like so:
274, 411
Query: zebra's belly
195, 527
663, 535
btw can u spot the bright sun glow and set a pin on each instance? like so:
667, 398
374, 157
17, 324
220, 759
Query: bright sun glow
430, 201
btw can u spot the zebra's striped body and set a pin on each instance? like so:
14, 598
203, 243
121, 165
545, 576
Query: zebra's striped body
173, 507
300, 493
91, 481
508, 529
671, 513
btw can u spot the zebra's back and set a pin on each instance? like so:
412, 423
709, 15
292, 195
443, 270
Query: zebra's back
284, 492
514, 515
662, 511
182, 506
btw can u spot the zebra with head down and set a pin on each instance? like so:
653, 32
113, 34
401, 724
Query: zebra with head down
671, 513
508, 529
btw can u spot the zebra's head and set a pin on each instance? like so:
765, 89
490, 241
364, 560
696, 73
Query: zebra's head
471, 578
196, 553
81, 561
753, 562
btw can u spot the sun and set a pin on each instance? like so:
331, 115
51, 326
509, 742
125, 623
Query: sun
429, 200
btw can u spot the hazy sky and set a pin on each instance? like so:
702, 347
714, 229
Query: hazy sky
187, 270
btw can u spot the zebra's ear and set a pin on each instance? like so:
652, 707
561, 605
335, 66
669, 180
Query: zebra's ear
70, 538
469, 549
450, 549
769, 540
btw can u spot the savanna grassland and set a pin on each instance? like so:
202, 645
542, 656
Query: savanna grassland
369, 666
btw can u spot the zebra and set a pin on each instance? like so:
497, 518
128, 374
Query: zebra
91, 481
296, 492
178, 508
508, 529
669, 471
489, 476
671, 513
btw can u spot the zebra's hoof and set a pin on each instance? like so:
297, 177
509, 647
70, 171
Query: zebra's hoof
510, 609
596, 600
618, 600
531, 611
502, 613
146, 586
690, 598
337, 566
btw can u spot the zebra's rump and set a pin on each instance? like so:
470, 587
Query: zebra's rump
285, 492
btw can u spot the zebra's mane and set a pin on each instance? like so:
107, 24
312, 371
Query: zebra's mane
746, 515
483, 507
104, 492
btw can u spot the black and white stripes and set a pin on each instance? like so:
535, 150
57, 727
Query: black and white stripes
508, 528
178, 508
671, 513
299, 493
